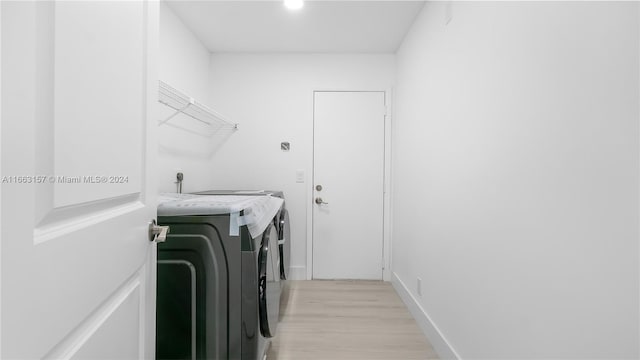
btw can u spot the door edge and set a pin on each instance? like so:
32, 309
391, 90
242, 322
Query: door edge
387, 198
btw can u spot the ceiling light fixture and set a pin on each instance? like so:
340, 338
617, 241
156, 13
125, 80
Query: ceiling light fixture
294, 4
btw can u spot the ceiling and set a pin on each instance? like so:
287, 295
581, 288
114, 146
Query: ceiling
321, 26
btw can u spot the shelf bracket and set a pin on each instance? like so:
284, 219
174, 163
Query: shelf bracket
191, 102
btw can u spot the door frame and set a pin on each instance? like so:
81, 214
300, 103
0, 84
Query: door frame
386, 206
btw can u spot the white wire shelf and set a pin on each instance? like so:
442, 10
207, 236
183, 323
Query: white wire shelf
184, 104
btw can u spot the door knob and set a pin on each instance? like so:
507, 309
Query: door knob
320, 202
157, 233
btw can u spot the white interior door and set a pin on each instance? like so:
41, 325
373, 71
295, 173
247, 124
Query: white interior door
349, 168
78, 268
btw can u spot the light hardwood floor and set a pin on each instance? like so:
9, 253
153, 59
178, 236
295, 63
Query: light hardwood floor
334, 320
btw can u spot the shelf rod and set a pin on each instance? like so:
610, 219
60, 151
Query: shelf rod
175, 99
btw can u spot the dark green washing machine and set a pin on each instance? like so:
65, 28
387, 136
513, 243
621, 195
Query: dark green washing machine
218, 286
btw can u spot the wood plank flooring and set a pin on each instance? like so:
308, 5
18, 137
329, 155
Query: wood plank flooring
350, 320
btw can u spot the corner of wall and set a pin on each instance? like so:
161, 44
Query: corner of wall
428, 327
298, 273
184, 146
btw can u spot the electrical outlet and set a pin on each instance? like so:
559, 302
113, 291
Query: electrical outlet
419, 287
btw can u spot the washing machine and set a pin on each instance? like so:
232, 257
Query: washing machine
284, 230
218, 288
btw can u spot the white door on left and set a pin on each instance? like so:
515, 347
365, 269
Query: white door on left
78, 269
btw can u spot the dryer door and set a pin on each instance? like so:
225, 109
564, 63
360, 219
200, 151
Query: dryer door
284, 244
269, 283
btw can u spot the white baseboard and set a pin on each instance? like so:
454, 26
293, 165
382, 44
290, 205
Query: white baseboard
298, 273
430, 330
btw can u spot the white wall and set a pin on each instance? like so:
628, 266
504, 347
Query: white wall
271, 96
516, 177
184, 64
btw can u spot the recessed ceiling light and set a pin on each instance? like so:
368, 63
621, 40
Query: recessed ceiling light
294, 4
